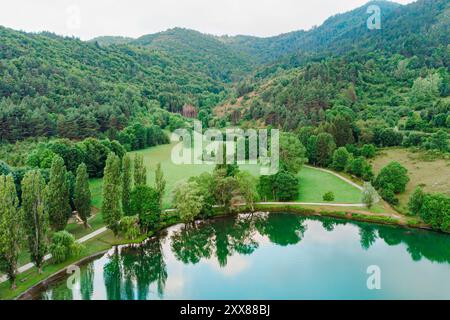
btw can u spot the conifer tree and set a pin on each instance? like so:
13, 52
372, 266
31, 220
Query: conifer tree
160, 183
111, 209
82, 194
35, 217
140, 172
57, 196
10, 228
126, 184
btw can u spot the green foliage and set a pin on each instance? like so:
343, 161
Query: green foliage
111, 209
126, 185
140, 171
129, 227
57, 196
387, 193
368, 151
248, 188
35, 216
104, 88
439, 141
82, 197
10, 228
206, 184
393, 177
361, 168
369, 195
341, 159
224, 186
145, 204
329, 196
416, 201
63, 247
285, 186
160, 183
189, 201
435, 211
320, 149
292, 153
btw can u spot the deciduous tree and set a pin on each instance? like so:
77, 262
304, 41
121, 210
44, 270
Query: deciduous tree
10, 228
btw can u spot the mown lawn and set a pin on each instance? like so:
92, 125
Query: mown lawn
313, 183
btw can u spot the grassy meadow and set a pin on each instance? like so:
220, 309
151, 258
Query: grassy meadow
433, 175
313, 183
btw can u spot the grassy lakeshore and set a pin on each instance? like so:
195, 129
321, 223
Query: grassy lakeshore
107, 240
313, 183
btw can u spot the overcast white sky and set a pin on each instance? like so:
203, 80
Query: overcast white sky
90, 18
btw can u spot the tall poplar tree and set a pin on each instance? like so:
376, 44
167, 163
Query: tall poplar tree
140, 172
126, 184
160, 183
35, 217
10, 228
82, 194
111, 193
58, 196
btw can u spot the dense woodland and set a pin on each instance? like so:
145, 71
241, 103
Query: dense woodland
71, 110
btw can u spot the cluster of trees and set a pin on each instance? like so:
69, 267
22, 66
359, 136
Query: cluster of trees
227, 187
91, 151
434, 209
41, 213
139, 136
54, 86
130, 206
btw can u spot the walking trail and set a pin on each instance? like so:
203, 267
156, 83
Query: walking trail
97, 232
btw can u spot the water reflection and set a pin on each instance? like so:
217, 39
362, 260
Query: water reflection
141, 271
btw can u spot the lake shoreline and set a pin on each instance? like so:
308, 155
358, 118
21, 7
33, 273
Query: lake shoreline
294, 209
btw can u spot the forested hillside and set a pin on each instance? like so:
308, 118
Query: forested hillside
55, 86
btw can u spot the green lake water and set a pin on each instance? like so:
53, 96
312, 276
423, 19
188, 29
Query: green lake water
262, 256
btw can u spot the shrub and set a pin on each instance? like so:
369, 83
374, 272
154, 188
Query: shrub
395, 175
64, 247
369, 195
361, 168
129, 227
341, 158
329, 196
435, 211
416, 201
388, 194
368, 151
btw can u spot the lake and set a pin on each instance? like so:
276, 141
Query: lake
267, 256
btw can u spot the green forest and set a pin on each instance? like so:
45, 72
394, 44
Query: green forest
72, 111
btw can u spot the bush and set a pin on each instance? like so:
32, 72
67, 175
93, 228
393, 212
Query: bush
341, 158
394, 177
435, 211
388, 194
361, 168
416, 201
329, 196
369, 195
368, 151
129, 227
64, 247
